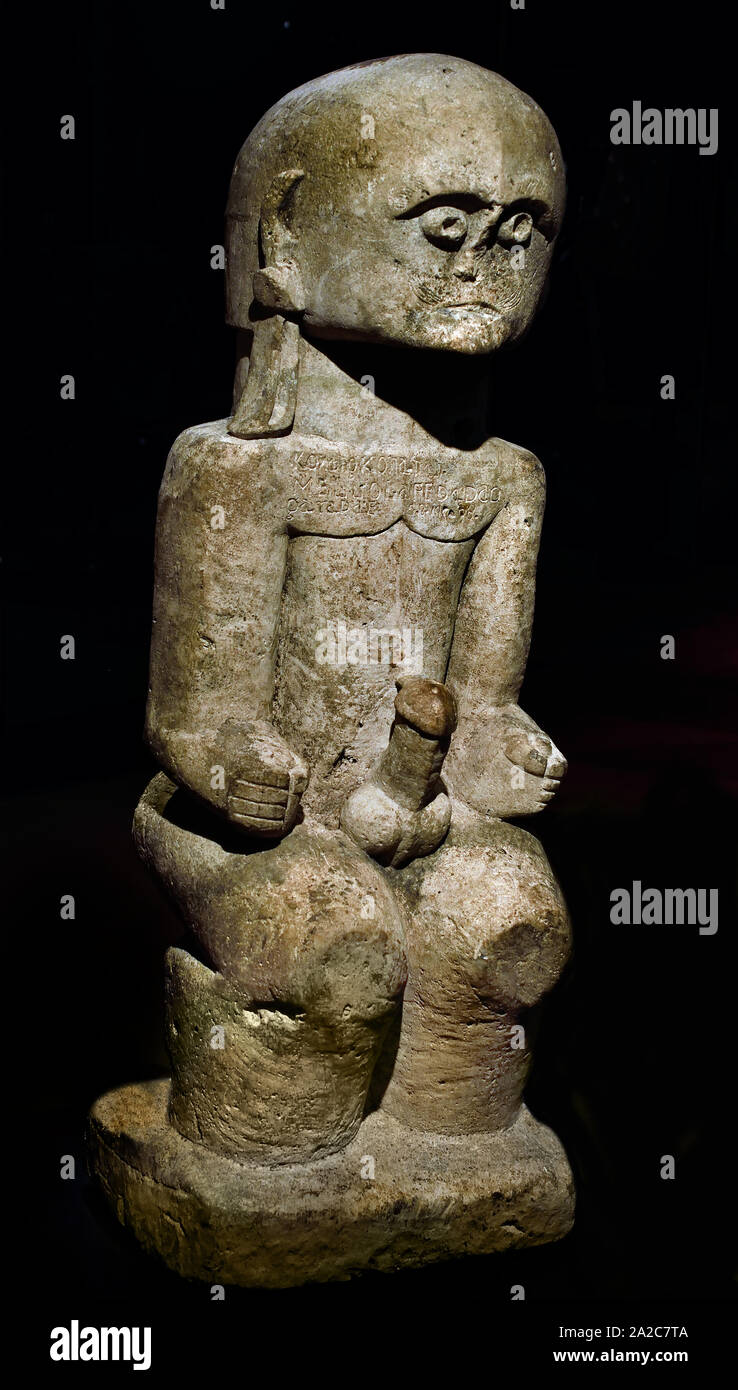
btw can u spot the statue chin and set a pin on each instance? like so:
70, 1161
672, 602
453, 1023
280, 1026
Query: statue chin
346, 1007
470, 328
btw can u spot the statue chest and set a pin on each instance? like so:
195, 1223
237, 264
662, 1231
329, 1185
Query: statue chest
397, 578
332, 493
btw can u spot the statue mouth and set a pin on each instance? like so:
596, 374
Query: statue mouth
468, 306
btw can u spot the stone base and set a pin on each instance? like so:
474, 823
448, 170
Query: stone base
433, 1197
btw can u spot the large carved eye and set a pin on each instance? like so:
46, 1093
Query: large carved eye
445, 227
515, 228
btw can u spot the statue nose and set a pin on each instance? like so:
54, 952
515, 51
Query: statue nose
465, 267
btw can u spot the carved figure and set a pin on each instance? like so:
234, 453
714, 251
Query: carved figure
344, 596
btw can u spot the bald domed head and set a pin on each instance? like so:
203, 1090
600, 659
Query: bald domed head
412, 199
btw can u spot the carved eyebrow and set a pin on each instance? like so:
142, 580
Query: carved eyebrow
466, 202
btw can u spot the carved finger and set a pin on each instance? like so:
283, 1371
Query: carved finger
256, 810
257, 791
529, 751
268, 828
557, 763
257, 774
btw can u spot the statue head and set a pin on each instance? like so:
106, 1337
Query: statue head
412, 200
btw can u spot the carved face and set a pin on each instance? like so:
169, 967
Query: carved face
457, 271
448, 257
429, 199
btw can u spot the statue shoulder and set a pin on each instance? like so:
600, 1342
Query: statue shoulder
517, 471
206, 462
207, 449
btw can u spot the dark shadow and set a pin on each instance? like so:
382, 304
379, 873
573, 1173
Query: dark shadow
385, 1063
186, 812
445, 392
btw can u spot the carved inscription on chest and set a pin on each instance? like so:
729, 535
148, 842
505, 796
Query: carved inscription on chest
335, 493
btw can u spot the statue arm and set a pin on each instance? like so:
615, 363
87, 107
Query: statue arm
500, 762
220, 558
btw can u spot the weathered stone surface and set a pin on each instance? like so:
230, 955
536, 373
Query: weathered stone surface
345, 573
432, 1197
274, 1086
488, 935
307, 964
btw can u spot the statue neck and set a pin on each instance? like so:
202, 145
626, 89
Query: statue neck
379, 397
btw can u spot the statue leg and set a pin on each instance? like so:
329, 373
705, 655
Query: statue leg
262, 1163
309, 966
487, 935
276, 1019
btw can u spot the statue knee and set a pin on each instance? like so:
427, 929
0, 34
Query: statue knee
310, 922
335, 947
493, 916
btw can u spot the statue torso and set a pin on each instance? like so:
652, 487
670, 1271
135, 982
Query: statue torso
379, 546
361, 556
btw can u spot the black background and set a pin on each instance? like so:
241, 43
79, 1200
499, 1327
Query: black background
635, 1053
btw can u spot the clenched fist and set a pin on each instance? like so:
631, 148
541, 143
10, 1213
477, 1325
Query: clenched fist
264, 778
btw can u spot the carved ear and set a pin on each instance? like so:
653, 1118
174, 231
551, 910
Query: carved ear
278, 286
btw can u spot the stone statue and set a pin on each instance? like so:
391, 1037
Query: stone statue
344, 595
